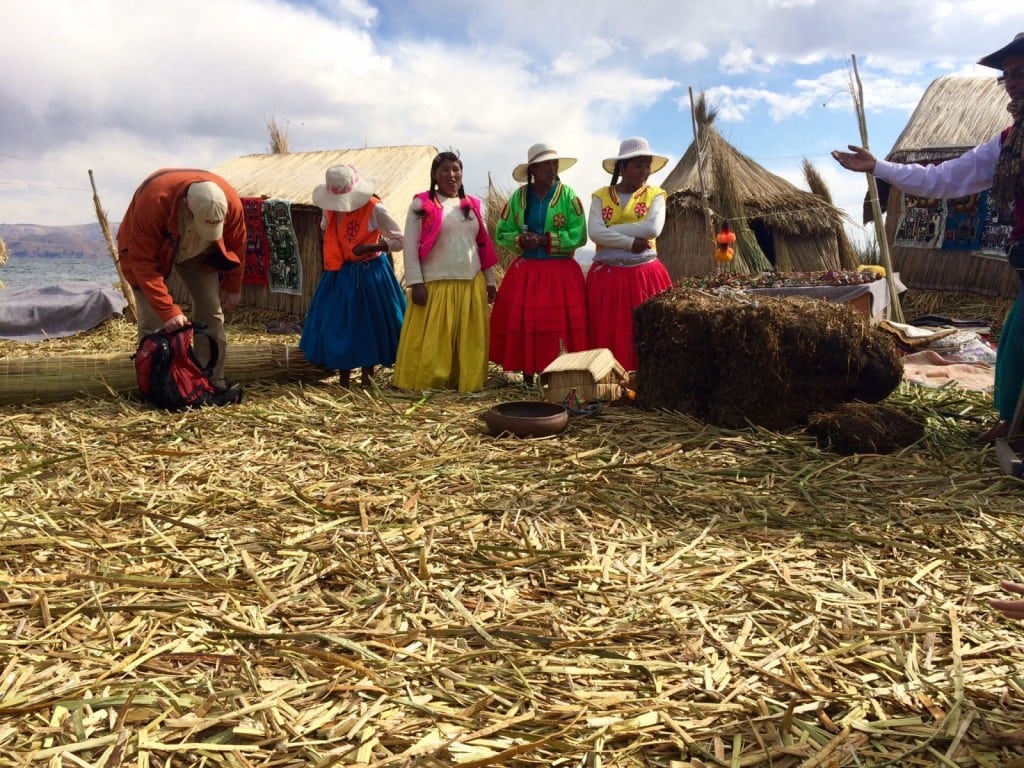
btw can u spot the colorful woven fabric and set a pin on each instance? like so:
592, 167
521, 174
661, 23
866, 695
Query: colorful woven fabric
285, 265
257, 251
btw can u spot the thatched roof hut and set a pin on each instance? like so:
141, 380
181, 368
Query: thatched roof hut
399, 173
795, 230
949, 245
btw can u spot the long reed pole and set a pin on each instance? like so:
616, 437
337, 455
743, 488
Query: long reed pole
876, 206
700, 175
133, 313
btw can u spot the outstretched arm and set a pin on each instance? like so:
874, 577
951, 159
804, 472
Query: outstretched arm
963, 175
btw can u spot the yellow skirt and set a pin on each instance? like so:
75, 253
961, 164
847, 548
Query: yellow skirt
444, 342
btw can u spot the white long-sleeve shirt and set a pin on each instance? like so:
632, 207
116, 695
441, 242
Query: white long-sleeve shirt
455, 255
616, 241
968, 174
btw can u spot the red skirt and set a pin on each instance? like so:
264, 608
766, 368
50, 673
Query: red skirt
612, 294
541, 307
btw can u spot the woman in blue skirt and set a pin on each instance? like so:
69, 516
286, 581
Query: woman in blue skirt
356, 315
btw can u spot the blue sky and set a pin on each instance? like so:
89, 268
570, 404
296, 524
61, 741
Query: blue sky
124, 87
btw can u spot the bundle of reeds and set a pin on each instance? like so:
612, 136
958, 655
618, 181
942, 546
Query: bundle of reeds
749, 256
816, 183
494, 205
866, 428
770, 361
61, 377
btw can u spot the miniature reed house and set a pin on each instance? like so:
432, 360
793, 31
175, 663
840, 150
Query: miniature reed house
576, 378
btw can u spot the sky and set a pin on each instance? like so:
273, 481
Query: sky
123, 87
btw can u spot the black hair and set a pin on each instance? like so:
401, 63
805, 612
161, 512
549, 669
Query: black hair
452, 156
529, 192
616, 172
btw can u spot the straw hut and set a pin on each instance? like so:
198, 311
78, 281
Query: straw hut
583, 377
399, 173
795, 230
949, 245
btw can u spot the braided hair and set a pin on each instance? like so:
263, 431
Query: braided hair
616, 172
441, 157
529, 194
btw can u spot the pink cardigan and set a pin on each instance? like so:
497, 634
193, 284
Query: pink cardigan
431, 228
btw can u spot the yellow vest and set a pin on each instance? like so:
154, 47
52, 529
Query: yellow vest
636, 208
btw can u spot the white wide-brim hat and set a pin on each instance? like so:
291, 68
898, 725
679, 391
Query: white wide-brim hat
540, 153
996, 59
344, 191
635, 147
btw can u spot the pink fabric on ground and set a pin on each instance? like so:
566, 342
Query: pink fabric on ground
930, 369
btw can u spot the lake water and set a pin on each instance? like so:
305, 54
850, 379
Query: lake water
39, 272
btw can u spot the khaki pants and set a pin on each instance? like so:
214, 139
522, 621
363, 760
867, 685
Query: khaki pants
204, 290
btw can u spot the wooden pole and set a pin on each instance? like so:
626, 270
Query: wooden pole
132, 313
876, 206
700, 175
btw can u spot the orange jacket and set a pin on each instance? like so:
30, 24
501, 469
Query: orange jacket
148, 237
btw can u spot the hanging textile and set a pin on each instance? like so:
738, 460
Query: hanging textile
285, 264
257, 251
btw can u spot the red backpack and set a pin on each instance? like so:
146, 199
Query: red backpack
170, 376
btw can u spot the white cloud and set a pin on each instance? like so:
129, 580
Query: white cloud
125, 87
740, 59
358, 9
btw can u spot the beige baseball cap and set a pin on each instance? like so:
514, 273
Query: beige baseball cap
209, 207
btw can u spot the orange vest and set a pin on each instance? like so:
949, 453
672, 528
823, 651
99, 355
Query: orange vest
344, 232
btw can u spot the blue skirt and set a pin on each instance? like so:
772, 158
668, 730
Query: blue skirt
355, 318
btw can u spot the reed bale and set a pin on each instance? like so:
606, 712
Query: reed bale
731, 361
933, 269
866, 428
63, 377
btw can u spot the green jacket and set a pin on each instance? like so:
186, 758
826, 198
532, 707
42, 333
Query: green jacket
565, 226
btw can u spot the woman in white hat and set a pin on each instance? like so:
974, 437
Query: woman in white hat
998, 164
355, 318
541, 308
625, 220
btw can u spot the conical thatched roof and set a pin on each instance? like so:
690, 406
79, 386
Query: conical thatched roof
954, 114
398, 172
781, 205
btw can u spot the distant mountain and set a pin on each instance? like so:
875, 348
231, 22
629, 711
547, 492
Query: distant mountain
38, 241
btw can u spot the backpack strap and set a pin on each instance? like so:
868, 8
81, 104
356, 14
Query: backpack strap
214, 347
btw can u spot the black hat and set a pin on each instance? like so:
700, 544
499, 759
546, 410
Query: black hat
997, 58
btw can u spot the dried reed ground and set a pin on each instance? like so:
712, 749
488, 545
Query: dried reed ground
319, 577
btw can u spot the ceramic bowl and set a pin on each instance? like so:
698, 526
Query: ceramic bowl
526, 418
